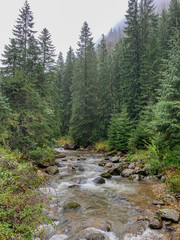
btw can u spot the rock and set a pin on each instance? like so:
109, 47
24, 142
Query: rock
127, 172
151, 179
60, 155
41, 174
74, 186
69, 146
120, 154
121, 199
132, 165
59, 237
115, 171
155, 223
100, 224
101, 163
168, 214
106, 158
99, 180
158, 202
106, 175
140, 171
115, 159
71, 205
109, 165
88, 234
52, 170
111, 153
45, 164
81, 169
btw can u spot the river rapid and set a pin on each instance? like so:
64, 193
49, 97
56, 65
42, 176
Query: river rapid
110, 211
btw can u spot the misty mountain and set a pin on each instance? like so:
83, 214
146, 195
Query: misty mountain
118, 30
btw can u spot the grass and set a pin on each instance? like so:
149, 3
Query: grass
101, 146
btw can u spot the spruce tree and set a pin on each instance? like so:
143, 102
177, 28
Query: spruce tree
47, 50
104, 88
167, 110
83, 127
119, 131
66, 91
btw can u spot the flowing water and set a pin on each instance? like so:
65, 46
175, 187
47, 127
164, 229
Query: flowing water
117, 204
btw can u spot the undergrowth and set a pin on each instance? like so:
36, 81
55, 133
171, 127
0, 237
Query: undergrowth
21, 204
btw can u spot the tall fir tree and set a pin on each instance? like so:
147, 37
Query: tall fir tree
104, 88
167, 110
47, 50
83, 123
66, 91
132, 40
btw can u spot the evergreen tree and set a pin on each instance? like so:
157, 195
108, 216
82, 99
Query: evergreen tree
132, 40
47, 50
174, 17
84, 100
23, 32
167, 111
119, 131
66, 91
104, 88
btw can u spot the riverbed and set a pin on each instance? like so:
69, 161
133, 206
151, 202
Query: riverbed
115, 210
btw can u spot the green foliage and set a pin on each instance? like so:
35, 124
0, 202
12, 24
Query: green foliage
83, 123
119, 131
41, 154
101, 146
174, 183
21, 205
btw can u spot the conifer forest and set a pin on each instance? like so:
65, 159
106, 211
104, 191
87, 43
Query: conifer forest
127, 98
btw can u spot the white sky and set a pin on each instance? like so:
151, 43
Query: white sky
63, 19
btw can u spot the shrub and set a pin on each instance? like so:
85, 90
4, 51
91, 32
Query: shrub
21, 205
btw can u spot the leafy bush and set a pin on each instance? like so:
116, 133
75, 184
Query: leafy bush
173, 183
21, 205
101, 146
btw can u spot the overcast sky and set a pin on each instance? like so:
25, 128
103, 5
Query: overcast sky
63, 18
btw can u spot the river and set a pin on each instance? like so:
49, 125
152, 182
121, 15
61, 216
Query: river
109, 211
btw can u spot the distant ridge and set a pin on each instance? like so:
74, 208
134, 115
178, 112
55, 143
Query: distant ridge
115, 33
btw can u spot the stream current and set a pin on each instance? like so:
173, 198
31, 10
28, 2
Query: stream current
118, 204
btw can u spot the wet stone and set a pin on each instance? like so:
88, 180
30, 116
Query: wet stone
99, 180
168, 214
71, 205
106, 175
155, 223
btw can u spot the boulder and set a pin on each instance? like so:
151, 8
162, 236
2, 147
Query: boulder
106, 175
120, 199
102, 163
74, 186
109, 165
132, 165
168, 214
155, 223
99, 180
158, 202
71, 205
127, 172
106, 158
115, 159
60, 155
52, 170
81, 169
69, 146
115, 171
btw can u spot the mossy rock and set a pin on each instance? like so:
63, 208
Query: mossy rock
72, 205
106, 175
